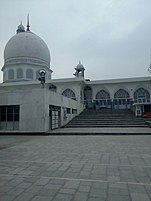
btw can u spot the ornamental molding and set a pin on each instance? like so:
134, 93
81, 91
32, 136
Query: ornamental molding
24, 60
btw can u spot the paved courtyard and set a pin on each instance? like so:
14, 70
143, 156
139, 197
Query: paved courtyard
75, 168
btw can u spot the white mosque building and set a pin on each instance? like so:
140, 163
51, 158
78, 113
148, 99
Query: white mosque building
32, 102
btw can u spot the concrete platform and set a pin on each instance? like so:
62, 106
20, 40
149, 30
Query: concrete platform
101, 131
75, 168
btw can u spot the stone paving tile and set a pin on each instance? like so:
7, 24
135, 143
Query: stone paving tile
96, 199
68, 191
119, 198
47, 192
86, 183
24, 185
81, 196
25, 197
139, 197
77, 168
83, 188
6, 197
5, 187
30, 179
118, 185
134, 188
101, 193
41, 198
53, 186
34, 188
72, 184
42, 181
15, 191
57, 181
63, 197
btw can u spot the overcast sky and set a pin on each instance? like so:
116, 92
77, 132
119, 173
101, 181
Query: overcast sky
112, 38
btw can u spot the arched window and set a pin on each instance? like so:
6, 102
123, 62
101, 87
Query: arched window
19, 73
53, 88
11, 74
121, 93
102, 94
29, 73
141, 95
69, 94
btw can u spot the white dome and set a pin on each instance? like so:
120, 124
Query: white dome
79, 66
26, 47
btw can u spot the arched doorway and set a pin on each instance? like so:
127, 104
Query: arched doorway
122, 100
88, 96
141, 95
142, 101
103, 99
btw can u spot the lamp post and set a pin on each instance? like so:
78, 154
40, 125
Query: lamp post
42, 78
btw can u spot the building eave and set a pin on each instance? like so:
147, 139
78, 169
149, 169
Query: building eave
120, 80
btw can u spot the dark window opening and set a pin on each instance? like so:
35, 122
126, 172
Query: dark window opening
74, 111
9, 117
68, 110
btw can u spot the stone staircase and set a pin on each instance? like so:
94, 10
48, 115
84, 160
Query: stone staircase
106, 118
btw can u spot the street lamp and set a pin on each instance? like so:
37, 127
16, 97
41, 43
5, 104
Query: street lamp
42, 78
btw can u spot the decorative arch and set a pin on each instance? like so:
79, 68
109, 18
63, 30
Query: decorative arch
11, 74
69, 94
29, 73
19, 73
121, 93
102, 94
122, 99
141, 95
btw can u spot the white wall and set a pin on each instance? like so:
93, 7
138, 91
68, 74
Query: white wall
112, 88
34, 104
34, 100
53, 98
31, 106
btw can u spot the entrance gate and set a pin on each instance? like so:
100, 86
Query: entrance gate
122, 103
54, 117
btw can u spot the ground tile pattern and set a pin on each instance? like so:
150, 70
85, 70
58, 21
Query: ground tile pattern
75, 168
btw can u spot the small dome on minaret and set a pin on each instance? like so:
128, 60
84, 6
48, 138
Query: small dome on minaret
79, 65
79, 70
20, 28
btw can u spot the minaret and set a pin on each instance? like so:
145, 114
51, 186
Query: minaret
28, 23
79, 70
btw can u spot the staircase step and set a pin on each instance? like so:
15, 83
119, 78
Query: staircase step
106, 118
99, 126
